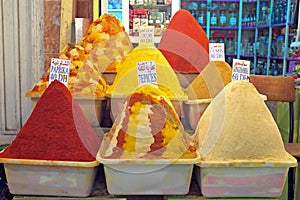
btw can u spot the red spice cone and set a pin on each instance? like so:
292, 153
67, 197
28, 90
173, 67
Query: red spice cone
185, 44
56, 130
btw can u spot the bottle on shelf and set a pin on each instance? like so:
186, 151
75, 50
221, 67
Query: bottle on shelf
263, 19
223, 18
213, 18
229, 46
157, 27
201, 18
280, 45
232, 18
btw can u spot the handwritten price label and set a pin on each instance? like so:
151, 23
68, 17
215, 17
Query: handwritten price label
240, 70
216, 51
59, 70
146, 35
146, 72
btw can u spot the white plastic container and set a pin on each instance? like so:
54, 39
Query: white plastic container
92, 107
242, 179
193, 110
147, 176
50, 178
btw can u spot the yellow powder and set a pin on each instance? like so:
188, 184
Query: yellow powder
237, 125
210, 81
126, 80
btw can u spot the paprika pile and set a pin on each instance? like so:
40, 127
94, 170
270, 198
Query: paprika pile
191, 53
56, 130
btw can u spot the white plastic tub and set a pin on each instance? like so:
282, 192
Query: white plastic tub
147, 176
193, 110
50, 178
244, 179
92, 107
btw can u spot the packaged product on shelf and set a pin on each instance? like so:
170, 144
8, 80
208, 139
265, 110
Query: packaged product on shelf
191, 54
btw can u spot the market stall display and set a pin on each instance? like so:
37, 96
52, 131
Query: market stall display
56, 147
147, 140
190, 55
238, 146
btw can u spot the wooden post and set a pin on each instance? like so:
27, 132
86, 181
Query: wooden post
66, 18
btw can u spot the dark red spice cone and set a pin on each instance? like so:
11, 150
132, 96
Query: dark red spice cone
56, 130
184, 43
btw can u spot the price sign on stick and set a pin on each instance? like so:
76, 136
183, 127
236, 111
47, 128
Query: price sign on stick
146, 72
216, 51
59, 70
146, 35
240, 70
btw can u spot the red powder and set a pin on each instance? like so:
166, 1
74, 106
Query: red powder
56, 130
191, 53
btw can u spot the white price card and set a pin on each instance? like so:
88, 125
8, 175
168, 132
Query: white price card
146, 72
146, 35
240, 70
59, 70
216, 51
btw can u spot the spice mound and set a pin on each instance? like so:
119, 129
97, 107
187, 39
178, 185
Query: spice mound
103, 46
238, 126
148, 127
128, 79
56, 130
191, 53
211, 80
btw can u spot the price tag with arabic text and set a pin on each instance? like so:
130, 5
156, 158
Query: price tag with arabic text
240, 70
59, 70
216, 51
146, 35
146, 72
